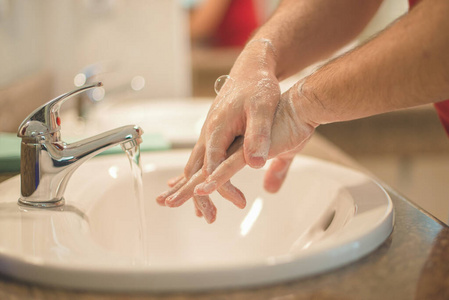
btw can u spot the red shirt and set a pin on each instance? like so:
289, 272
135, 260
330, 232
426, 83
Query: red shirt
238, 24
442, 108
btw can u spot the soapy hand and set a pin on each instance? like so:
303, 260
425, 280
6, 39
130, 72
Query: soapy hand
245, 107
290, 131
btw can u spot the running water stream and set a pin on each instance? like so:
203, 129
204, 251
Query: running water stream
133, 154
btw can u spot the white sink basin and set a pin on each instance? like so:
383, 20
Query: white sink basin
325, 216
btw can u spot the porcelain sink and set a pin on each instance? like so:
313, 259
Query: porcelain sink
324, 217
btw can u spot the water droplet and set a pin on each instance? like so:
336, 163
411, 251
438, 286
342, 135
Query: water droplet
224, 84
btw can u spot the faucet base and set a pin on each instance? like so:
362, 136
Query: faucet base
41, 204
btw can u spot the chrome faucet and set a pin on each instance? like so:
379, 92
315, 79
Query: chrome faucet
46, 162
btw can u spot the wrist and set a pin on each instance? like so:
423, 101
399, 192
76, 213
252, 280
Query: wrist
259, 54
266, 45
308, 105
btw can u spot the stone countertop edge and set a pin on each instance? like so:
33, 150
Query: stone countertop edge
413, 263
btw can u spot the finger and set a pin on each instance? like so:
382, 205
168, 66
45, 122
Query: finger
277, 172
217, 144
198, 212
173, 181
261, 111
196, 159
257, 144
233, 194
257, 139
222, 174
207, 208
162, 197
185, 192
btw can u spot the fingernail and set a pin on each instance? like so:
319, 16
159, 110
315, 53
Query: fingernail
210, 218
258, 161
257, 153
170, 201
160, 200
206, 187
198, 213
242, 200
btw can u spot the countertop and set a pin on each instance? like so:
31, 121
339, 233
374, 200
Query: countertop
413, 263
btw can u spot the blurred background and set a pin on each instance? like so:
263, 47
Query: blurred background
152, 49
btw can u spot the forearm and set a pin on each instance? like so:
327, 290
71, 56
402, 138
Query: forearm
404, 66
303, 32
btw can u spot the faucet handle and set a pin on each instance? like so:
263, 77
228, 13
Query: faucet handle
45, 120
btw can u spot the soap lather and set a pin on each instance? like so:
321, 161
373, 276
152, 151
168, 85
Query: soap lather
46, 162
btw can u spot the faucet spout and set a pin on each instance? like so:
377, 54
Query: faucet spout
127, 136
47, 163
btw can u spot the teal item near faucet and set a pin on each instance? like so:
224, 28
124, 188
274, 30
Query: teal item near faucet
10, 149
9, 153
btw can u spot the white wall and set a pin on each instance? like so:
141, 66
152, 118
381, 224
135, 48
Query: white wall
139, 37
21, 47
